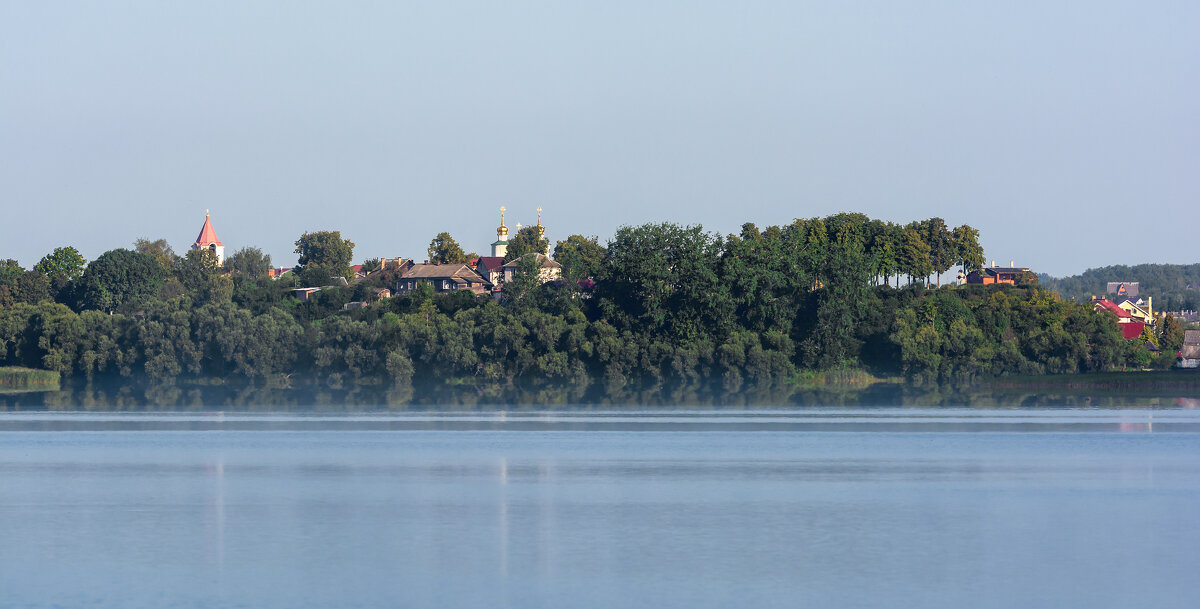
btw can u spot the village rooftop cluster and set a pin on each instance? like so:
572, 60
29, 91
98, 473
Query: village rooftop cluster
480, 275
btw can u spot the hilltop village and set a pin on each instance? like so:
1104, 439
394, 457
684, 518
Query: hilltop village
446, 269
657, 308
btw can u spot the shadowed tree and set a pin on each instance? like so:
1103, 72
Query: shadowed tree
120, 277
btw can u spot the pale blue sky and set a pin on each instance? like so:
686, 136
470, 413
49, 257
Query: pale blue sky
1068, 133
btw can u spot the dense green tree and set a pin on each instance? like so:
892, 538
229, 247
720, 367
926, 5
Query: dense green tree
32, 287
10, 271
968, 253
249, 262
196, 268
200, 277
158, 249
443, 249
528, 239
914, 254
581, 257
942, 254
64, 262
1170, 335
522, 291
845, 294
884, 241
662, 278
120, 277
324, 255
764, 284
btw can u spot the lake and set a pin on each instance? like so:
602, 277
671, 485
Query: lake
879, 507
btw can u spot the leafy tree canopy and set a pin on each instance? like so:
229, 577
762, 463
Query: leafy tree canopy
581, 257
443, 249
326, 250
158, 249
249, 262
10, 271
63, 262
967, 251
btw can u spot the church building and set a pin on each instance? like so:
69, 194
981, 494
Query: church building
208, 240
500, 247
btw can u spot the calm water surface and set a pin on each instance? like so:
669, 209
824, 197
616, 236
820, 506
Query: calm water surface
799, 508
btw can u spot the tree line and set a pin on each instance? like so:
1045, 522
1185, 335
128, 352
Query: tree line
657, 305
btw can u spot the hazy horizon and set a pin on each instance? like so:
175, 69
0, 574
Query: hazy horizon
1067, 137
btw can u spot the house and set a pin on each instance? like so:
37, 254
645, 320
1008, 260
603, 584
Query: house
491, 268
1123, 289
304, 294
1189, 353
208, 240
997, 274
443, 277
550, 270
1130, 328
1139, 310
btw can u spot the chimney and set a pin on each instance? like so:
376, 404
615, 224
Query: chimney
993, 263
1012, 264
1150, 306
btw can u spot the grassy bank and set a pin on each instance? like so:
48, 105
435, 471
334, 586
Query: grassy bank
838, 379
13, 379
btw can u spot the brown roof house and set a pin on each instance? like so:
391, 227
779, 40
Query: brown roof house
997, 274
1189, 353
491, 268
443, 277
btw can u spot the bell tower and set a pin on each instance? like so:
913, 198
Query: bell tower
500, 247
208, 240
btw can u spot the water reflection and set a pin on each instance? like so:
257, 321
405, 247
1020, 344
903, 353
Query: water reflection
696, 508
1172, 391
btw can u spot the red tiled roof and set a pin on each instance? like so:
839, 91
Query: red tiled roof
1132, 329
1112, 307
492, 263
208, 236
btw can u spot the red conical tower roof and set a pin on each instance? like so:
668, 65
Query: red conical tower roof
208, 236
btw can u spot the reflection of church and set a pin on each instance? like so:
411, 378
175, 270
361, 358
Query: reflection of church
208, 240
